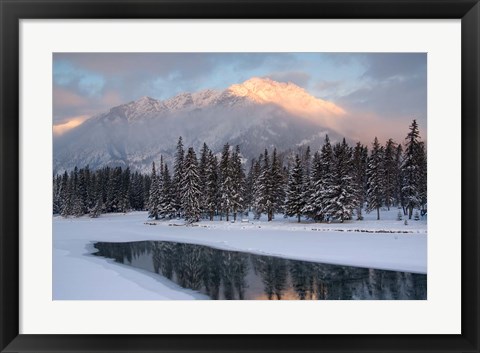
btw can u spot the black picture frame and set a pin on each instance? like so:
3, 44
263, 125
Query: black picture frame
13, 10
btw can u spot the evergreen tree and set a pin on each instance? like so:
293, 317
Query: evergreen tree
178, 176
312, 207
114, 190
154, 197
257, 188
306, 184
263, 187
391, 173
238, 180
137, 192
202, 166
340, 198
76, 201
279, 178
212, 186
270, 186
375, 179
167, 195
295, 202
322, 181
249, 185
81, 194
124, 202
398, 181
422, 180
57, 194
98, 207
226, 185
90, 177
66, 196
360, 161
191, 188
411, 170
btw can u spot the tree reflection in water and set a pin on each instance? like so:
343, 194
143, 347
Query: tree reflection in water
234, 275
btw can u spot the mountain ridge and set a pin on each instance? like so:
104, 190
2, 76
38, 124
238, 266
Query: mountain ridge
258, 113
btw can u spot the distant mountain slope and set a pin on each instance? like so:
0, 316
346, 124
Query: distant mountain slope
257, 114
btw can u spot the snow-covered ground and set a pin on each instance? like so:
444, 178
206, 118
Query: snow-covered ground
387, 244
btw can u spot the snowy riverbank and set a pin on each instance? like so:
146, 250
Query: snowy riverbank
368, 243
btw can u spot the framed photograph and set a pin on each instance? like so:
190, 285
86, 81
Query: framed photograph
232, 176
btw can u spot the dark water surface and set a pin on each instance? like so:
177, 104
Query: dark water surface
223, 274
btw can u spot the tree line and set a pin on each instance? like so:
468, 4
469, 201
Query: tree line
334, 184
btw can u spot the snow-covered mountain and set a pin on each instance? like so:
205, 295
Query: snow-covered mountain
256, 114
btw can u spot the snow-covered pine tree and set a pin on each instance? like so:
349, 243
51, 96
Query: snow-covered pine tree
375, 179
422, 182
416, 216
306, 184
212, 185
257, 187
98, 207
322, 180
249, 180
279, 180
306, 161
398, 180
399, 215
178, 176
312, 207
114, 190
91, 177
154, 197
81, 193
191, 188
77, 204
136, 192
167, 195
124, 205
263, 187
411, 170
341, 195
295, 203
270, 186
202, 166
226, 182
391, 172
360, 158
66, 196
56, 197
238, 182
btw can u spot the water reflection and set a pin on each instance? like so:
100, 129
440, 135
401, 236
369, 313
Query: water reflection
234, 275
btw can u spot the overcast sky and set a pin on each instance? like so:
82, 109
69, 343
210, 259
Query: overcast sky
387, 90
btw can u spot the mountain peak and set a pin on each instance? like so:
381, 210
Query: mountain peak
286, 95
262, 88
145, 99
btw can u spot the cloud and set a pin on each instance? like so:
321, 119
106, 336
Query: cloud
392, 88
393, 100
67, 103
61, 128
383, 66
67, 75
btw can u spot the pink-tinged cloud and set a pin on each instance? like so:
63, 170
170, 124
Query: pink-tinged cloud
59, 129
290, 97
111, 99
365, 127
63, 97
